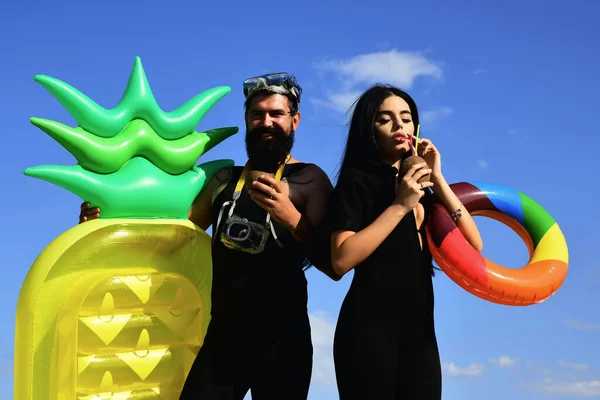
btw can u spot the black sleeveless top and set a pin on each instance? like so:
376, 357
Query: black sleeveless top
394, 284
257, 287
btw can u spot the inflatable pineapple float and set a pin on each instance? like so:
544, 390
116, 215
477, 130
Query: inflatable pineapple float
117, 307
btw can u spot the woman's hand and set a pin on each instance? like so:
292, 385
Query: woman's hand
409, 191
427, 150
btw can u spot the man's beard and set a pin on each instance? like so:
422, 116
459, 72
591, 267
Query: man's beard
267, 154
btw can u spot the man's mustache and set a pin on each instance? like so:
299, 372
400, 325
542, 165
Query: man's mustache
264, 130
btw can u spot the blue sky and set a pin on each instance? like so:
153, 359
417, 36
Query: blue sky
508, 93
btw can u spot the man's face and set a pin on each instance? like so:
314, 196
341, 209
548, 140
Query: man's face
270, 131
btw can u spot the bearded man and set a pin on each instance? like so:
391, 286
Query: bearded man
264, 217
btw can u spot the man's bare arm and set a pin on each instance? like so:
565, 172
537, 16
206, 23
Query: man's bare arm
310, 232
200, 212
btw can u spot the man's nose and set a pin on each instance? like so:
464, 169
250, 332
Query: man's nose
266, 120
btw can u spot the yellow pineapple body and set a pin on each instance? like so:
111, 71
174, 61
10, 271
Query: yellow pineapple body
117, 308
126, 306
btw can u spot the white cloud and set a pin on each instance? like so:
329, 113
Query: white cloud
504, 361
478, 71
394, 67
455, 371
323, 329
432, 116
573, 366
582, 388
340, 102
483, 164
571, 383
579, 325
562, 371
399, 68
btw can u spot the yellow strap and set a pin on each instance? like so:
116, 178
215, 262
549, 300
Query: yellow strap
242, 180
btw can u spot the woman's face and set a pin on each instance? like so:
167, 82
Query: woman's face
394, 128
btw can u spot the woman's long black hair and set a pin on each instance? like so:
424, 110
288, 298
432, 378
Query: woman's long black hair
360, 146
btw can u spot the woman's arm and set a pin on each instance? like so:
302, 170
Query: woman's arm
351, 247
348, 248
465, 222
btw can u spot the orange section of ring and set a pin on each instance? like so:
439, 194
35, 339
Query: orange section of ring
532, 284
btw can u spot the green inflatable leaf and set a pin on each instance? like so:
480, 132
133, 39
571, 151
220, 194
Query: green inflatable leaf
138, 190
107, 155
135, 160
137, 103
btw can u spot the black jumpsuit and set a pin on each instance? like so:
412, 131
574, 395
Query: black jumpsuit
259, 337
385, 345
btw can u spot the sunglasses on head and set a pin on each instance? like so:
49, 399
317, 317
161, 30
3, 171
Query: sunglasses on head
280, 82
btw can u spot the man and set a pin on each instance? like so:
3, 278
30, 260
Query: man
264, 218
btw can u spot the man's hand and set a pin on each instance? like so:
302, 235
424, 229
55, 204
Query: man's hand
88, 212
274, 199
314, 188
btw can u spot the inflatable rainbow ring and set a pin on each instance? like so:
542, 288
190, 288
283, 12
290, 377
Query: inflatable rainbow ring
532, 284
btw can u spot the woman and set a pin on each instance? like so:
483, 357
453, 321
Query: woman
385, 345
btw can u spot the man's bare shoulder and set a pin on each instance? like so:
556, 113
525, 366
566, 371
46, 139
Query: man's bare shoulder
220, 181
223, 175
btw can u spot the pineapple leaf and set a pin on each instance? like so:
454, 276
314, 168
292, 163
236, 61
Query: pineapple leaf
137, 102
138, 190
106, 155
217, 136
135, 160
211, 168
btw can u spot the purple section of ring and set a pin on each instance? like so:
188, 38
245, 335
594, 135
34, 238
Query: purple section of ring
440, 223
